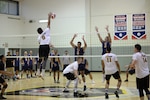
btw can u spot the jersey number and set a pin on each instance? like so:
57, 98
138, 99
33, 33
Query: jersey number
108, 59
144, 59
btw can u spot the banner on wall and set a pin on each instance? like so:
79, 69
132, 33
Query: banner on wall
120, 27
138, 26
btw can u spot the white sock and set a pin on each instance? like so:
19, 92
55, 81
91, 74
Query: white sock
43, 72
75, 84
38, 72
84, 83
68, 83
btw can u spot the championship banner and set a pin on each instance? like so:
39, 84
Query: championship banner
120, 27
138, 26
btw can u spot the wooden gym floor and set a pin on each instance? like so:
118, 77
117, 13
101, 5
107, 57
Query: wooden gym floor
129, 91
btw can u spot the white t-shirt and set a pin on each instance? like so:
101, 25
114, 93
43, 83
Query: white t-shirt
110, 63
46, 34
71, 68
141, 65
66, 59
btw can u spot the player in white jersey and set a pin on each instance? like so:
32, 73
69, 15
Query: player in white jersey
139, 60
110, 66
44, 48
71, 73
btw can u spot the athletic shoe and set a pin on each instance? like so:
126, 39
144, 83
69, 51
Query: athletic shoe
66, 91
93, 82
75, 94
106, 96
84, 88
126, 80
116, 93
41, 76
58, 81
1, 97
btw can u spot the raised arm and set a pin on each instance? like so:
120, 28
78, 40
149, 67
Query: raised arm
98, 34
71, 42
49, 20
85, 45
109, 37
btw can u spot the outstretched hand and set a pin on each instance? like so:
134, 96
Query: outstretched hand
75, 35
50, 14
96, 28
83, 37
107, 28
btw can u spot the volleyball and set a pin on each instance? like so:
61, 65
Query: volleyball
53, 15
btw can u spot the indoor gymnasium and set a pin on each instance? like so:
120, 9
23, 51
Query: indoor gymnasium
74, 49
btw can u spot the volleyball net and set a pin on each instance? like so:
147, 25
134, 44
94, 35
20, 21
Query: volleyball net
122, 48
94, 61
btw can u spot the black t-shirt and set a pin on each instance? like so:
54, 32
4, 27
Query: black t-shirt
2, 66
9, 62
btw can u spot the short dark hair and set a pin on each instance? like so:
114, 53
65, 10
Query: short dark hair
79, 58
39, 30
1, 57
79, 42
138, 47
108, 49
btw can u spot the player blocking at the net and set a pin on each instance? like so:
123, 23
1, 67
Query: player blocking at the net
44, 48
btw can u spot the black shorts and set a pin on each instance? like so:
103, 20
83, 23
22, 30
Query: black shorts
55, 68
65, 65
16, 68
81, 67
70, 76
142, 83
30, 67
44, 51
24, 68
86, 71
2, 80
115, 75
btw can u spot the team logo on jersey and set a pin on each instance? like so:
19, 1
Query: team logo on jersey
57, 92
139, 35
120, 36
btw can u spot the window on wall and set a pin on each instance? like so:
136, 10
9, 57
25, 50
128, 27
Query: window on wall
9, 7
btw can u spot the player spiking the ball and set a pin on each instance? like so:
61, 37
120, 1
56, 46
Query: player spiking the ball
44, 48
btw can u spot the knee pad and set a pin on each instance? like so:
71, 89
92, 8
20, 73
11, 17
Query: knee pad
141, 93
5, 86
40, 60
120, 80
